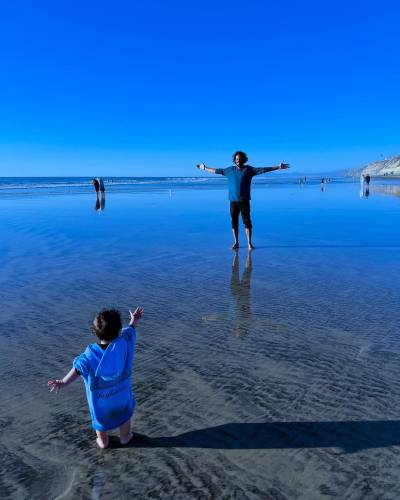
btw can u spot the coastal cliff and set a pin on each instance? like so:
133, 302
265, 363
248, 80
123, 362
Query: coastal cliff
389, 167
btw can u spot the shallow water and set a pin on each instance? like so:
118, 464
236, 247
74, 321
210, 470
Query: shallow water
269, 376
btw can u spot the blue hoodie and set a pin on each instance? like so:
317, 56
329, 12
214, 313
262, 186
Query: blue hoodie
107, 376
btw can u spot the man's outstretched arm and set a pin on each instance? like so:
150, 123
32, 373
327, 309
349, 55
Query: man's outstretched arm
264, 170
202, 166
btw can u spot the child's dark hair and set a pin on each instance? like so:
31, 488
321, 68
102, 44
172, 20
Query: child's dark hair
107, 324
240, 153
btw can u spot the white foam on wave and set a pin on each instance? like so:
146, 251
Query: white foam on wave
30, 184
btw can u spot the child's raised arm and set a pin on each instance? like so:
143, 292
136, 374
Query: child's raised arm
136, 315
55, 385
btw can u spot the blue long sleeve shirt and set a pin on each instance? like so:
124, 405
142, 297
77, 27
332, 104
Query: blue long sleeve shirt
239, 181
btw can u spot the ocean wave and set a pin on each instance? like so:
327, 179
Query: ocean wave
81, 185
33, 184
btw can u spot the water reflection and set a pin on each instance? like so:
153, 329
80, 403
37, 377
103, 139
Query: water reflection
364, 190
97, 484
241, 298
388, 189
100, 204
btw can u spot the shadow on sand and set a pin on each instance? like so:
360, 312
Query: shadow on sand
350, 436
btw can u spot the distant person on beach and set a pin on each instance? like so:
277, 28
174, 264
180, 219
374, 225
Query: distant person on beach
106, 368
98, 185
239, 177
367, 179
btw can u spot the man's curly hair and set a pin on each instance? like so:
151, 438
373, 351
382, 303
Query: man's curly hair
107, 324
242, 154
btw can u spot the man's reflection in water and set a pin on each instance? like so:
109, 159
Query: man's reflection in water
241, 299
100, 204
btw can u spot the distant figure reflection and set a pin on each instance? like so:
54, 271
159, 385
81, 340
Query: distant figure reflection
98, 185
241, 298
364, 190
387, 189
100, 204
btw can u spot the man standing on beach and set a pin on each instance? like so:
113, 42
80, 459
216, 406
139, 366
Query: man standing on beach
239, 177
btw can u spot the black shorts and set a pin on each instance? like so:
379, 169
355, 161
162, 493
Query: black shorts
242, 207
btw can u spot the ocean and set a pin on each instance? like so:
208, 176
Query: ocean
63, 185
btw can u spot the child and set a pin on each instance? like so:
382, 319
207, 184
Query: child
106, 368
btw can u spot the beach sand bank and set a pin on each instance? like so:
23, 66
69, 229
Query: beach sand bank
275, 378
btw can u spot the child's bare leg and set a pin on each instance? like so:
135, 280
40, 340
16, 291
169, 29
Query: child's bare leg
102, 439
125, 434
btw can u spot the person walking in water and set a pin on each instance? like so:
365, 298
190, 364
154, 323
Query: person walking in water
99, 187
239, 177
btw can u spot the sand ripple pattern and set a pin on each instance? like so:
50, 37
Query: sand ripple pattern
282, 383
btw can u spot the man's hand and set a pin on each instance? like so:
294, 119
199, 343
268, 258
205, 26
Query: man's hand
282, 166
201, 166
136, 315
55, 385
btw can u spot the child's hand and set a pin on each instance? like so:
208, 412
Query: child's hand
55, 385
136, 315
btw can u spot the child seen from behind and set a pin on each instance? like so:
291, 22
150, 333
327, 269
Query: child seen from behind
106, 369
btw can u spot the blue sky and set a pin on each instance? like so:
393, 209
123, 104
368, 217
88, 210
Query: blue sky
153, 87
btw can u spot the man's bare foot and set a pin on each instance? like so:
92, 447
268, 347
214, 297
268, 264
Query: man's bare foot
251, 246
126, 439
235, 246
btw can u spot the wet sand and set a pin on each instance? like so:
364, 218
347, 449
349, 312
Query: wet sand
272, 378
